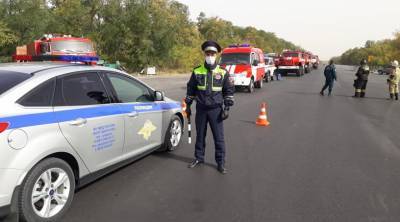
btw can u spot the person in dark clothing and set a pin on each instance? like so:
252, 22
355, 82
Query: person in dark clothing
212, 88
360, 84
330, 78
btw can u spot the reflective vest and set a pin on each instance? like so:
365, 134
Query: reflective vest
217, 76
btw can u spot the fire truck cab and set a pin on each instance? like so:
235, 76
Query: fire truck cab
55, 47
246, 63
292, 62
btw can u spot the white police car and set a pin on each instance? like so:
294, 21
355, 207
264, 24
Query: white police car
64, 125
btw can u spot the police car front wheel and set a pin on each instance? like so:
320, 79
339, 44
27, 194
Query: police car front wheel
173, 135
47, 191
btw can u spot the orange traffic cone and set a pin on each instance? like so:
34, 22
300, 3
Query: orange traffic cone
184, 106
262, 119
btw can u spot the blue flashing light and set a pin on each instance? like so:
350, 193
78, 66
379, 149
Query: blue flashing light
245, 45
233, 46
75, 58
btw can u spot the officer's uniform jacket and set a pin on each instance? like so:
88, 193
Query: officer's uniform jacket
330, 73
210, 87
363, 72
394, 77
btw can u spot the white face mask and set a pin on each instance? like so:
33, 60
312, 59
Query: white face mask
210, 60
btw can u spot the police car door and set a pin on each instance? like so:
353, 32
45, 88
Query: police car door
143, 116
92, 125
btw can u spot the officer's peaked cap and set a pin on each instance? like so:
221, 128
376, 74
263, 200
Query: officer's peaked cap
210, 46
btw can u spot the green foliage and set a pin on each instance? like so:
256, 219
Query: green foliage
379, 53
138, 33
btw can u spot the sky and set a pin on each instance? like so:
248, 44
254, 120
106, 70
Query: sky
326, 28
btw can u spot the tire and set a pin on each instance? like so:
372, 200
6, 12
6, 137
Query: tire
55, 171
266, 77
259, 84
173, 136
300, 71
250, 87
307, 69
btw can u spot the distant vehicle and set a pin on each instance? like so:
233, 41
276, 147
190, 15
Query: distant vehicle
386, 70
56, 47
315, 61
270, 67
246, 63
65, 125
307, 61
292, 62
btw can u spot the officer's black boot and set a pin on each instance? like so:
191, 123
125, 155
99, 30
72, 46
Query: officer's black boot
397, 96
195, 163
221, 168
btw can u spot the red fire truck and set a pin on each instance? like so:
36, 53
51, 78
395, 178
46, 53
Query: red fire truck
292, 62
246, 63
56, 47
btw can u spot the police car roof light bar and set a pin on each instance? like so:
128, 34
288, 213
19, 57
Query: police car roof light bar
4, 126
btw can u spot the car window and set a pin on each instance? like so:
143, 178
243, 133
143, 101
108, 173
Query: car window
235, 58
80, 89
129, 90
40, 96
10, 79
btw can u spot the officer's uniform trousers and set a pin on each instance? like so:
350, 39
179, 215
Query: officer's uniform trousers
393, 88
205, 115
361, 86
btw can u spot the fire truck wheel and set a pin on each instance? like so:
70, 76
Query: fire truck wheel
266, 77
258, 84
250, 87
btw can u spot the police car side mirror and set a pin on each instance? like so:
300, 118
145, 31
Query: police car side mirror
158, 96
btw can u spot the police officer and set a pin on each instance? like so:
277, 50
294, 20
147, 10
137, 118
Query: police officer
330, 78
212, 88
360, 84
393, 80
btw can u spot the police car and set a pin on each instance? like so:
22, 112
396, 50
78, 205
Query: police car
64, 125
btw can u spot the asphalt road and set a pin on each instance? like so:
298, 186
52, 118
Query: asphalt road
322, 159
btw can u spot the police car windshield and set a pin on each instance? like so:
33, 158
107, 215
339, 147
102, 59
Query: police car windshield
72, 46
235, 58
10, 79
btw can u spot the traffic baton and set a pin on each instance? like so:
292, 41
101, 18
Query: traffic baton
189, 130
184, 107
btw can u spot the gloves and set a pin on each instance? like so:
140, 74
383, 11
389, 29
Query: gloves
225, 113
229, 102
189, 100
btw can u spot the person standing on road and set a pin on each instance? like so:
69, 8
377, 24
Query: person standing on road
330, 78
360, 84
393, 80
212, 88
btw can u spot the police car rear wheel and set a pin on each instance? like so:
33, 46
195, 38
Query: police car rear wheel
173, 135
47, 191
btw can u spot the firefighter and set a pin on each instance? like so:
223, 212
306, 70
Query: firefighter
212, 88
393, 81
330, 78
360, 84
